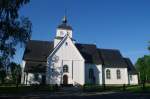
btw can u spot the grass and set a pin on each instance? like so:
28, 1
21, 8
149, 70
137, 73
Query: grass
100, 88
27, 89
127, 88
138, 88
12, 89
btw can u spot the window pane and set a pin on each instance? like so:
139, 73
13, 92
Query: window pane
65, 68
118, 74
108, 76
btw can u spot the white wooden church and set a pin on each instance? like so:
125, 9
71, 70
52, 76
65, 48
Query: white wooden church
64, 61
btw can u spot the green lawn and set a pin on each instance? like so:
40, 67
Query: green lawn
138, 88
25, 89
127, 88
87, 88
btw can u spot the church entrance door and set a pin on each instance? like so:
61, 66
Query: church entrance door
65, 79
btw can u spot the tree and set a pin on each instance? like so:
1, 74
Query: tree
143, 66
2, 73
14, 29
149, 46
15, 72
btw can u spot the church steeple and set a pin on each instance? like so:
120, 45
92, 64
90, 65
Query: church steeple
64, 28
64, 24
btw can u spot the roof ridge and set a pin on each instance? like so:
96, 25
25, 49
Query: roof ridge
57, 46
85, 44
108, 49
40, 41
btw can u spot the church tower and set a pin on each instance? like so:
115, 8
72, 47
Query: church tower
62, 30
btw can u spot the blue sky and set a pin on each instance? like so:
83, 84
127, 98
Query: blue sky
113, 24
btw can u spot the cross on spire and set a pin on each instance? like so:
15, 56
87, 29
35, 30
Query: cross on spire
64, 20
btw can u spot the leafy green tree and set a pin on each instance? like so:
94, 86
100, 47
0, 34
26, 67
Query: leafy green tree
143, 66
15, 72
149, 46
2, 73
14, 30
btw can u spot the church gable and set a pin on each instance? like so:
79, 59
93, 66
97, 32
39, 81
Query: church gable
67, 50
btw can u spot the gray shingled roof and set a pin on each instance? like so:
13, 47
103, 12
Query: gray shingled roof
64, 26
36, 54
131, 68
89, 52
35, 67
38, 50
112, 58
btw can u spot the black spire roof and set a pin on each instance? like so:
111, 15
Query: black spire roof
64, 24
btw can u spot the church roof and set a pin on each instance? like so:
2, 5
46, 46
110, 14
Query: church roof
112, 58
36, 54
38, 50
131, 68
35, 67
89, 52
64, 26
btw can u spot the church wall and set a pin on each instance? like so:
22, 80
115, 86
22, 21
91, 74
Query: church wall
69, 73
99, 68
30, 78
79, 72
62, 33
113, 79
133, 79
75, 72
70, 56
54, 72
23, 74
56, 41
68, 51
97, 73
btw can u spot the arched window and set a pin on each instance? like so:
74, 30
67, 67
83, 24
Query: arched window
65, 68
91, 73
108, 76
118, 74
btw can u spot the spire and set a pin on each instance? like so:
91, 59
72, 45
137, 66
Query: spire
64, 24
64, 20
